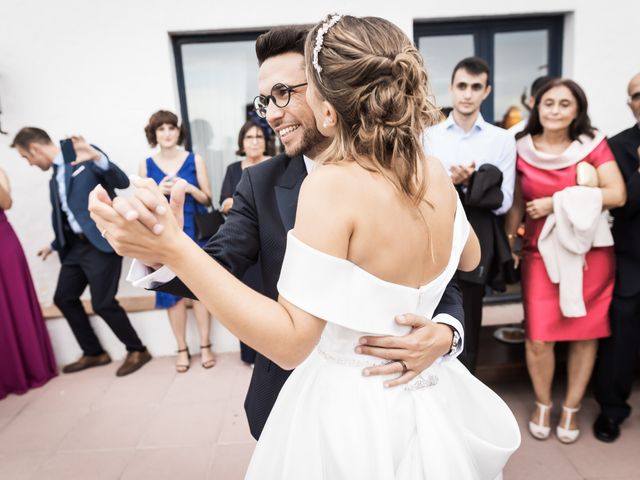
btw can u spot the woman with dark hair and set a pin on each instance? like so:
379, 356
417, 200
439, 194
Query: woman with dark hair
252, 145
567, 179
26, 356
170, 164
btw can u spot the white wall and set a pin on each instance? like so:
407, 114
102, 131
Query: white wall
154, 331
100, 68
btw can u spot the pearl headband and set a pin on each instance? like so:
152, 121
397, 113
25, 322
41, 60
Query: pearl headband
320, 39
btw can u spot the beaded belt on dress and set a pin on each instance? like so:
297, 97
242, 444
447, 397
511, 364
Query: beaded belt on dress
422, 380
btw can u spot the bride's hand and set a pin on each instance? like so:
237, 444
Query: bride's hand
130, 227
427, 342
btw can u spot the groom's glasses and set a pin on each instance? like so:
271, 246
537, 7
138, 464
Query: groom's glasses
280, 96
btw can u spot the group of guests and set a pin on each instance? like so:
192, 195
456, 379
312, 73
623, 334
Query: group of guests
87, 258
554, 173
557, 176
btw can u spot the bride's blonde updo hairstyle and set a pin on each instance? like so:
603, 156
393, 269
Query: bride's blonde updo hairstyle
374, 77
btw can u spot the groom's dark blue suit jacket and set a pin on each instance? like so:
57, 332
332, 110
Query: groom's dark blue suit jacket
264, 210
79, 181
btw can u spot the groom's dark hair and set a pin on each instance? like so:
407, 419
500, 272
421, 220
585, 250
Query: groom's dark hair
280, 40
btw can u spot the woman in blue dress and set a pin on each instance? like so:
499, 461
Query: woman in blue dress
167, 166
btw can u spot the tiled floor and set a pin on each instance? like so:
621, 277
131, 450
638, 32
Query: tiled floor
156, 424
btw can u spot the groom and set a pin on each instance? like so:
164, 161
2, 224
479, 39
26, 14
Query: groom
264, 209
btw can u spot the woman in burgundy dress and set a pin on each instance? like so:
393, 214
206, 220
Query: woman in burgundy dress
26, 356
557, 138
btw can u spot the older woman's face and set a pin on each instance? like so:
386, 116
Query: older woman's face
558, 108
254, 143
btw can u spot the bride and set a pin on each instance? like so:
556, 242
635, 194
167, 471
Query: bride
379, 229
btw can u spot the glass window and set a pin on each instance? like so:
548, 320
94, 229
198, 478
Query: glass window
220, 82
441, 53
519, 58
518, 50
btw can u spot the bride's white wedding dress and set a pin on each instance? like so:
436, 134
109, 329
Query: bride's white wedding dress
332, 423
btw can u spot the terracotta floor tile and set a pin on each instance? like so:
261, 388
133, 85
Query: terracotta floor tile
42, 432
157, 424
113, 428
230, 461
12, 404
169, 464
4, 421
134, 390
539, 460
70, 392
21, 465
83, 465
596, 459
235, 428
201, 385
184, 424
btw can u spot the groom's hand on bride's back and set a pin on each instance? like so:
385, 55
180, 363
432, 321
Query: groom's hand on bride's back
426, 342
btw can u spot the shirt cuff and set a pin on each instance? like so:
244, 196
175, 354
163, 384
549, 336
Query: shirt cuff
142, 276
454, 323
103, 163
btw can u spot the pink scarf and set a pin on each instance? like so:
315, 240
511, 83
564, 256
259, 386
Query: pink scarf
574, 153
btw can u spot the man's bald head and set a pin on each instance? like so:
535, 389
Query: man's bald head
634, 96
634, 84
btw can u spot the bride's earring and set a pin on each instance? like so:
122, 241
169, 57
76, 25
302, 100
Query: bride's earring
325, 124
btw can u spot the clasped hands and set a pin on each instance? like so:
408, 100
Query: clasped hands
461, 174
146, 226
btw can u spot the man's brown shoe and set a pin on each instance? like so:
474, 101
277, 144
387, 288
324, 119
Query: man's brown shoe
133, 362
87, 361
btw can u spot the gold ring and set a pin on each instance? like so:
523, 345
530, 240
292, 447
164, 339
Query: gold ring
404, 366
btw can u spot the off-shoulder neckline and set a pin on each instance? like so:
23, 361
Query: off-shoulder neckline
378, 279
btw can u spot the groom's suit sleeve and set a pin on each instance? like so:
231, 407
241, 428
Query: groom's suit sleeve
451, 303
235, 246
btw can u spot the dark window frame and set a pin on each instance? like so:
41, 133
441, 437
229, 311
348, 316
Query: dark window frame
483, 31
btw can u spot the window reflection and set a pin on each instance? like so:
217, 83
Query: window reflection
441, 54
519, 58
221, 79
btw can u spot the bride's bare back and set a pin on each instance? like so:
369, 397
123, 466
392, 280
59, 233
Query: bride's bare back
376, 227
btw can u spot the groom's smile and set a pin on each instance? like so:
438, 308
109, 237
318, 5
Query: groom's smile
294, 123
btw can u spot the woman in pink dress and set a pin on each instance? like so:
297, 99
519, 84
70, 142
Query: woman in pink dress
26, 357
558, 136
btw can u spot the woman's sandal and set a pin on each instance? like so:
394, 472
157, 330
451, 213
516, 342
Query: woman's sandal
209, 363
180, 367
565, 434
539, 430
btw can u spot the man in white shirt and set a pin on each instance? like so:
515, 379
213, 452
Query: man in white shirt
481, 160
